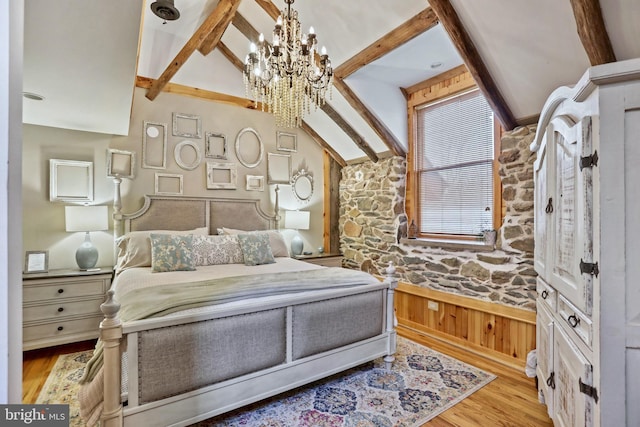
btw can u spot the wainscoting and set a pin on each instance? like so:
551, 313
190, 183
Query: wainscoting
499, 332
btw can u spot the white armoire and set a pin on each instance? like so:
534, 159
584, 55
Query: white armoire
587, 249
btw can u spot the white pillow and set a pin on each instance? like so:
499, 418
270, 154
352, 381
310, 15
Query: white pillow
278, 245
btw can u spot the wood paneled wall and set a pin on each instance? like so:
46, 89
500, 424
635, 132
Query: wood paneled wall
501, 333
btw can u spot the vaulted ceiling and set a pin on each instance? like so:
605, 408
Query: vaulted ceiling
85, 57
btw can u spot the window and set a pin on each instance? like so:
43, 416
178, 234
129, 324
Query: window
453, 167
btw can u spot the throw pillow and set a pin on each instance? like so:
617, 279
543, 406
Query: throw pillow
278, 245
215, 250
256, 249
171, 253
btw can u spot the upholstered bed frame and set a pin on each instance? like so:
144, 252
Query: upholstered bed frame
296, 339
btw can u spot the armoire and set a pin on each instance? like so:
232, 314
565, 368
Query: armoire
587, 249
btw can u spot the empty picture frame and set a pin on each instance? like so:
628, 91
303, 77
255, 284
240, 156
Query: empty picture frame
221, 176
187, 125
255, 183
169, 184
188, 155
154, 145
36, 262
286, 141
279, 168
121, 163
215, 146
70, 181
249, 148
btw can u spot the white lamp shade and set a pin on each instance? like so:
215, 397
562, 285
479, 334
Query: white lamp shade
86, 218
297, 220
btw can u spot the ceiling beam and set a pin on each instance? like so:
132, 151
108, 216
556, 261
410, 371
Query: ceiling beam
224, 49
592, 32
467, 50
211, 41
271, 9
146, 83
322, 143
351, 133
412, 28
220, 17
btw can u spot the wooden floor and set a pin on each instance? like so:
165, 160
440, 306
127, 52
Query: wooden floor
510, 400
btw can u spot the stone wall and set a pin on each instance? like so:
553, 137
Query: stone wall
373, 222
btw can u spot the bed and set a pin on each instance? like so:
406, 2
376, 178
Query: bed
180, 345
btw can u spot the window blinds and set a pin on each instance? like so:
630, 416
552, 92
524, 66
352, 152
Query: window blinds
454, 161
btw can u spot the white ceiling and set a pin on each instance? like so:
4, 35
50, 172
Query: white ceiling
82, 55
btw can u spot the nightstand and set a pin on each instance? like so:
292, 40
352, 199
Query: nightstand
62, 306
326, 259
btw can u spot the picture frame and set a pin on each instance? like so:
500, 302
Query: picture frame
279, 168
121, 163
169, 184
70, 181
187, 125
221, 176
215, 146
247, 155
254, 182
154, 145
286, 141
36, 262
180, 157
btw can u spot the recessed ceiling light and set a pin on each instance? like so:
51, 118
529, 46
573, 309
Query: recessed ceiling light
34, 96
436, 64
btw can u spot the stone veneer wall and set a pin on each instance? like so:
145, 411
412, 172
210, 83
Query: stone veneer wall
372, 220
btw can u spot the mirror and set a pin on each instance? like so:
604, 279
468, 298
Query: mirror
302, 185
70, 181
249, 148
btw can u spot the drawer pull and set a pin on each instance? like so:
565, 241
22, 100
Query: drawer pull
60, 328
544, 294
551, 382
573, 320
60, 309
60, 291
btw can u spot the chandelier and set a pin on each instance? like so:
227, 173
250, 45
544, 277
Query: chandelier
289, 75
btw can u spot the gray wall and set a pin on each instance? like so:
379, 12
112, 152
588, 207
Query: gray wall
44, 220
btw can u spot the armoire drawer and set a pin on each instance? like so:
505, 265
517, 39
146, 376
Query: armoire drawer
576, 320
61, 309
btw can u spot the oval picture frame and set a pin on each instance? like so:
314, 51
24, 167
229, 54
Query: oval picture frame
177, 153
302, 185
238, 148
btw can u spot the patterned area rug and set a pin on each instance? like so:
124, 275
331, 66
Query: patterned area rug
422, 384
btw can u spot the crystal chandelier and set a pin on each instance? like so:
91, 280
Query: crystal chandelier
289, 75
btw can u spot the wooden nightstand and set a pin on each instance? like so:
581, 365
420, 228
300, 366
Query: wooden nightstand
62, 306
327, 259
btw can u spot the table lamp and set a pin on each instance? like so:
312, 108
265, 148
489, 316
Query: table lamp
296, 220
86, 219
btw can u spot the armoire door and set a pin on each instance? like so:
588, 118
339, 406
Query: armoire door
543, 212
544, 353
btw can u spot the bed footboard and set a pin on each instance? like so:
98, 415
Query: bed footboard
295, 342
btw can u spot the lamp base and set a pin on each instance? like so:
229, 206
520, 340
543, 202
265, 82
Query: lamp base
87, 254
297, 245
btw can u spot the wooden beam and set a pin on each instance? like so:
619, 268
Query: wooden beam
405, 32
222, 13
241, 23
146, 83
463, 43
593, 34
322, 143
211, 41
379, 128
224, 49
271, 9
351, 133
426, 84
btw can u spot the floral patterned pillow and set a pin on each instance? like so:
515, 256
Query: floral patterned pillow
171, 253
256, 249
215, 250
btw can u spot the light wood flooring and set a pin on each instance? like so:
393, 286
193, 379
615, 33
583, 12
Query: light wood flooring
510, 400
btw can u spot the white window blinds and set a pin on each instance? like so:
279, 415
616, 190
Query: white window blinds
454, 162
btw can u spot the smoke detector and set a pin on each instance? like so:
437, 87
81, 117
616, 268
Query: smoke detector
165, 10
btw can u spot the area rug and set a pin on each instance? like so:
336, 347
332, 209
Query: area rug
422, 384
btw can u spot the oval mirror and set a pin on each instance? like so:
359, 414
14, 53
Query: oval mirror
302, 185
249, 148
188, 155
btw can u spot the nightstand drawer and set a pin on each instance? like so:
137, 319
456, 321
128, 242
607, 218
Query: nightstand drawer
61, 309
62, 289
53, 330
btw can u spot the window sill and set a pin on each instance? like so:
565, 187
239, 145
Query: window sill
471, 245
